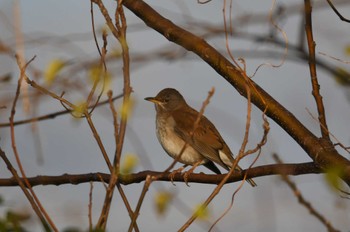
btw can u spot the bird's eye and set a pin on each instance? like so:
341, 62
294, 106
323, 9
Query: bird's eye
167, 98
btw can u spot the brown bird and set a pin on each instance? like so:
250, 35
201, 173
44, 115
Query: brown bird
175, 121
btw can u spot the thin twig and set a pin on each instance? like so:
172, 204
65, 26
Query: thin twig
98, 139
148, 182
285, 40
334, 58
303, 201
209, 199
102, 72
119, 31
313, 73
114, 173
20, 182
42, 213
337, 12
54, 114
90, 205
347, 149
93, 27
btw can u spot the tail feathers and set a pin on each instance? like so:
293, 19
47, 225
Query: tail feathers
210, 165
226, 162
250, 181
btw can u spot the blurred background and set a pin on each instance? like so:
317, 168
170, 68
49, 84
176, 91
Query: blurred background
61, 31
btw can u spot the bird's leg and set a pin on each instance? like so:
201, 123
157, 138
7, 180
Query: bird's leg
173, 173
186, 174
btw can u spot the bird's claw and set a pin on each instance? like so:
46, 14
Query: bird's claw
173, 173
186, 176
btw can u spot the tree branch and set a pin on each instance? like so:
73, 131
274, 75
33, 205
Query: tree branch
337, 12
54, 114
312, 66
75, 179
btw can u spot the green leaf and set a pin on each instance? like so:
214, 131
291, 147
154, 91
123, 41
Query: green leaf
342, 77
52, 70
347, 50
332, 177
162, 201
79, 109
129, 163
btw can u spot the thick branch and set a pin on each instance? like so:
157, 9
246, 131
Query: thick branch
266, 170
322, 152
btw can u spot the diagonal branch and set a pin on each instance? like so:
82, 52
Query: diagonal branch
303, 201
337, 12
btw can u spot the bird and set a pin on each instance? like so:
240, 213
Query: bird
205, 146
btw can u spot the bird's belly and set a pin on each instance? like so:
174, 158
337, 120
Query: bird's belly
173, 145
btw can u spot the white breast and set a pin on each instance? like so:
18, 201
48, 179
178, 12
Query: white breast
174, 146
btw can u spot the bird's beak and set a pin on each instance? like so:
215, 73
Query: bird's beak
153, 99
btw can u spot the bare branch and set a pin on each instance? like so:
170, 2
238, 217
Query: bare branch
312, 65
20, 182
33, 199
303, 201
119, 32
337, 12
265, 170
54, 114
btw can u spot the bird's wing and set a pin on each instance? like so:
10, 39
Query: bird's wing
206, 139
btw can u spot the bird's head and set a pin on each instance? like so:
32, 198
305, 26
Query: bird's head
167, 100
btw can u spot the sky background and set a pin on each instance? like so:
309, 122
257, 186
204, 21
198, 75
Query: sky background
62, 30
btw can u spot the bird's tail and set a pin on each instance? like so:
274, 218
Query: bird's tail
250, 181
228, 160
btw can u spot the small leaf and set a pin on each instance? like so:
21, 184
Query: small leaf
6, 78
162, 200
52, 70
202, 212
347, 50
98, 74
15, 217
332, 177
129, 163
72, 229
116, 52
126, 108
79, 109
342, 77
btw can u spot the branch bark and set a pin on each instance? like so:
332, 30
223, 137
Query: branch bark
75, 179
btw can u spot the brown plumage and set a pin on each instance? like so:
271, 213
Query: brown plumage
175, 120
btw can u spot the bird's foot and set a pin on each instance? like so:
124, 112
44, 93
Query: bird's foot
186, 176
189, 172
173, 173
